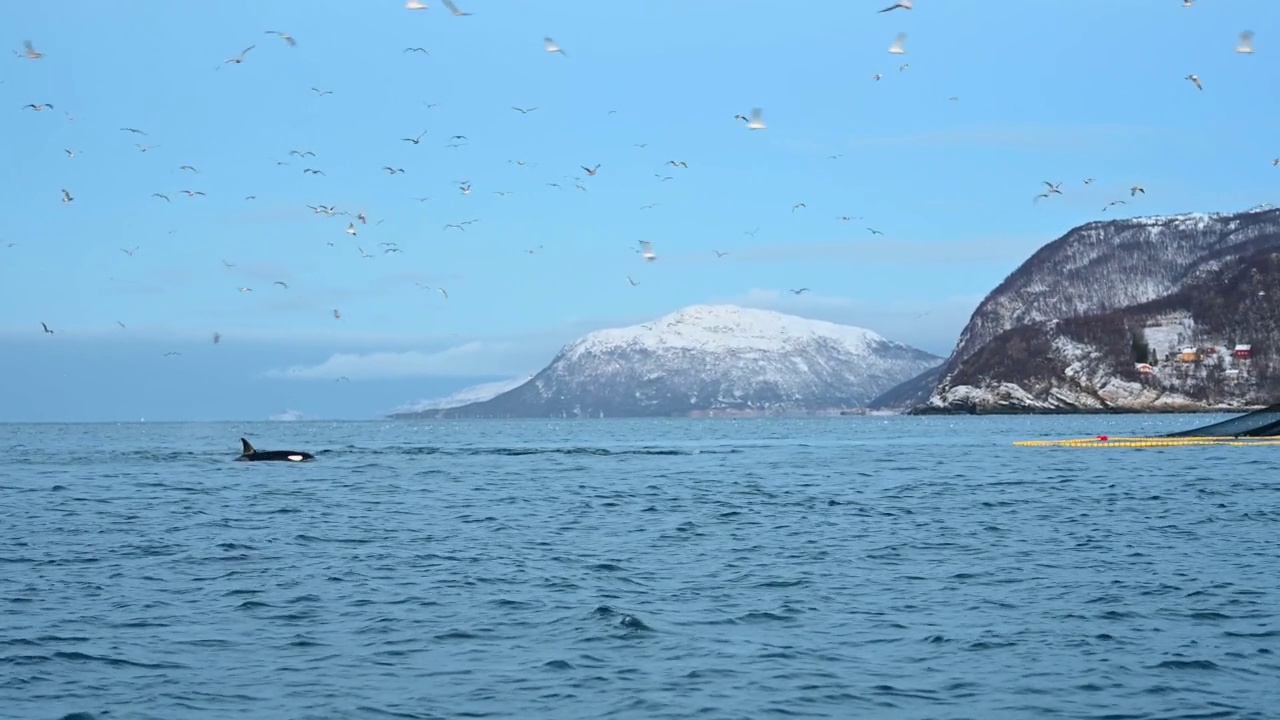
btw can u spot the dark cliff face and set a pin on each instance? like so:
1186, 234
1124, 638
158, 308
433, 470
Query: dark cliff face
1104, 266
1233, 301
909, 394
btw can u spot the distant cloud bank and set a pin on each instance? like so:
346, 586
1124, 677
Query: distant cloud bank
471, 359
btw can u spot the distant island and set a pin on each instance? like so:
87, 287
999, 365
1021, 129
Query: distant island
1152, 314
707, 360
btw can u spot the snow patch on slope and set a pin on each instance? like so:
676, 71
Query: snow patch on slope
724, 328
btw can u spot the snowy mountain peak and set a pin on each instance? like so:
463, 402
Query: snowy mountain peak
710, 359
719, 328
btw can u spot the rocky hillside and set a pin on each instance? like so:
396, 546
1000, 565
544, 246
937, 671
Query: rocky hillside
715, 360
1212, 344
1103, 266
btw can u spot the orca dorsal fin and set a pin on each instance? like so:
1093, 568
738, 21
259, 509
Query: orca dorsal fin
248, 449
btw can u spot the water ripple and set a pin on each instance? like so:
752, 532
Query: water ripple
854, 567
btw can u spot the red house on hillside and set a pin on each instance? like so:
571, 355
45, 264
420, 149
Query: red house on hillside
1242, 352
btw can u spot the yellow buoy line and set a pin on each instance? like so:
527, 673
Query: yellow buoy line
1146, 442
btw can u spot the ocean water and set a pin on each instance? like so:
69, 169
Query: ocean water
865, 567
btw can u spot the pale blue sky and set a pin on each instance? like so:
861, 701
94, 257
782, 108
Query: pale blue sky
1055, 90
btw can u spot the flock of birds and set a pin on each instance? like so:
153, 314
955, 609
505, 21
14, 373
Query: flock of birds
357, 220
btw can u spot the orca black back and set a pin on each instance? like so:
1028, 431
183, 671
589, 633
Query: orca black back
250, 454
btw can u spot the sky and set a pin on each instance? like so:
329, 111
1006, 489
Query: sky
1059, 90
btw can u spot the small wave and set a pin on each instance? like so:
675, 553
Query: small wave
521, 451
1187, 665
117, 662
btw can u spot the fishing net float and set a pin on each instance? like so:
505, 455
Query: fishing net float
1260, 427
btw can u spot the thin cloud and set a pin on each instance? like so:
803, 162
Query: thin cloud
135, 287
883, 250
932, 326
510, 356
465, 396
470, 359
1021, 136
255, 212
229, 335
269, 272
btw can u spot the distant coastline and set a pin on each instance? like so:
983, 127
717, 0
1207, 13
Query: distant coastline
1167, 410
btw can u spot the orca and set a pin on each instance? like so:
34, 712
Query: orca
281, 455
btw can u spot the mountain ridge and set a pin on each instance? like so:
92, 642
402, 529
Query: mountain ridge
709, 359
1082, 291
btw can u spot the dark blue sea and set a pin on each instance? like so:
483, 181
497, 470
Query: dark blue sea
862, 567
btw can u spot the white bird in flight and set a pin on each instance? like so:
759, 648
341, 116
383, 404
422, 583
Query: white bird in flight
552, 47
756, 122
239, 58
415, 5
454, 8
904, 4
896, 48
283, 36
646, 251
1245, 46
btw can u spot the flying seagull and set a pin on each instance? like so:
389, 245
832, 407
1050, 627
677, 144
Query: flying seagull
552, 47
646, 251
904, 4
414, 5
800, 291
1195, 80
283, 36
454, 8
1245, 46
29, 51
896, 48
46, 328
422, 50
756, 122
239, 58
523, 111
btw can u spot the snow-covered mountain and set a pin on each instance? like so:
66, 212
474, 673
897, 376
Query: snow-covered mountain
1105, 266
1212, 344
710, 359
